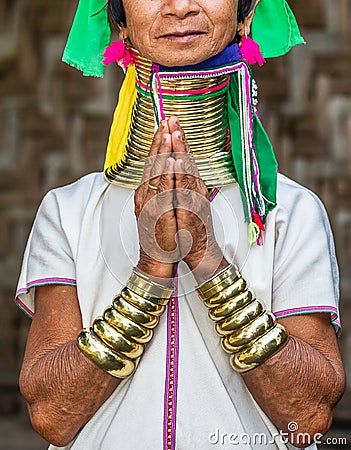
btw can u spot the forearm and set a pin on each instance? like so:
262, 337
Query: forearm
299, 385
298, 379
65, 383
63, 390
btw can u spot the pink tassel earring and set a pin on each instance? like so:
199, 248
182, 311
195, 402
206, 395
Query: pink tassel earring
118, 52
251, 52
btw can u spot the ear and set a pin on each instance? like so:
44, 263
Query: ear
123, 33
244, 28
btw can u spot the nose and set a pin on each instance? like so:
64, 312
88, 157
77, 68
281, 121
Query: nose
180, 8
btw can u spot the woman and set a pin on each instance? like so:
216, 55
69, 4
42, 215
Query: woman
122, 382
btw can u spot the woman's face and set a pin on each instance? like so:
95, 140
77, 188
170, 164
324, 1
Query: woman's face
180, 32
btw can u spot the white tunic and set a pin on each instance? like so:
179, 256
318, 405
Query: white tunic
85, 234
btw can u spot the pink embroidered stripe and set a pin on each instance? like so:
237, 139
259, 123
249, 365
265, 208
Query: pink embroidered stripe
24, 307
334, 314
192, 92
172, 364
214, 194
44, 281
171, 382
39, 282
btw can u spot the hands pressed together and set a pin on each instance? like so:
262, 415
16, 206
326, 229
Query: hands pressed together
173, 210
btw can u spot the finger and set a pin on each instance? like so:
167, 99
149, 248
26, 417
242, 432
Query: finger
160, 160
173, 124
181, 178
183, 189
162, 129
181, 147
166, 182
182, 152
166, 186
188, 199
155, 146
167, 179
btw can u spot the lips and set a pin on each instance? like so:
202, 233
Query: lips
182, 36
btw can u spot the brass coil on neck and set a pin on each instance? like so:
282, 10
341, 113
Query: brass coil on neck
203, 118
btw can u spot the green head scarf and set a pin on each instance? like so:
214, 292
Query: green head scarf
274, 28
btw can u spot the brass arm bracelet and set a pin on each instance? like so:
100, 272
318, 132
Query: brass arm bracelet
116, 339
133, 313
127, 327
147, 295
103, 356
141, 303
222, 296
240, 318
248, 332
232, 305
150, 288
246, 335
219, 282
261, 350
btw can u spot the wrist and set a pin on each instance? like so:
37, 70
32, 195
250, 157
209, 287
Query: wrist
159, 272
205, 265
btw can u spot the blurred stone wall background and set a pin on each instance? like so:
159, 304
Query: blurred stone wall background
54, 125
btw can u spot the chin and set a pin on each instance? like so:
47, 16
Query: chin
181, 63
173, 54
177, 59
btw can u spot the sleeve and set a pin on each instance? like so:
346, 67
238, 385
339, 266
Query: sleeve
48, 257
306, 275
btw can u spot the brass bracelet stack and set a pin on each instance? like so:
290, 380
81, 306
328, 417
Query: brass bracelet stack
249, 332
116, 339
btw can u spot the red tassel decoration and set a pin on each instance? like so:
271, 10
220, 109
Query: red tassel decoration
119, 53
251, 52
258, 221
